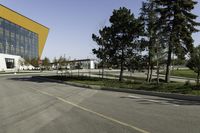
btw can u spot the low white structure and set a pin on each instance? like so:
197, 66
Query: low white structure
82, 64
92, 64
12, 63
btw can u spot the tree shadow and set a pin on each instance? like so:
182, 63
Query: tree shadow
36, 79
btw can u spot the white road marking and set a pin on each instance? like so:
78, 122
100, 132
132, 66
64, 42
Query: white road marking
136, 97
154, 101
151, 100
176, 105
93, 112
166, 103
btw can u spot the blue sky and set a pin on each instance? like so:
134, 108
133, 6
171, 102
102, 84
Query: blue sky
72, 22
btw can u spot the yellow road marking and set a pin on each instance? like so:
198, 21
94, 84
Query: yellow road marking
93, 112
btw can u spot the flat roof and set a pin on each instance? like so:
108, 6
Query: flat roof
24, 16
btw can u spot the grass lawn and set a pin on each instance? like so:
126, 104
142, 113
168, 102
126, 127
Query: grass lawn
183, 73
125, 77
138, 84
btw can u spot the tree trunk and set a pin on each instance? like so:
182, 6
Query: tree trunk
122, 67
169, 59
157, 63
148, 72
198, 75
149, 66
121, 73
103, 60
102, 69
158, 71
151, 73
150, 62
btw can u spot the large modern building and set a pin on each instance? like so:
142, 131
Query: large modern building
19, 37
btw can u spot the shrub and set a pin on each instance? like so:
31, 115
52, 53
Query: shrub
188, 83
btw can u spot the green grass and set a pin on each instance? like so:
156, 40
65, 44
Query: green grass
183, 73
125, 77
137, 85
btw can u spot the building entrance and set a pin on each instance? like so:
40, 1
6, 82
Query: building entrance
10, 63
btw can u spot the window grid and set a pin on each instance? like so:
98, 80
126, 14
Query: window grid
17, 40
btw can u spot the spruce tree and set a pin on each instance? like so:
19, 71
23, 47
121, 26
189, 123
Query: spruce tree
178, 22
119, 42
125, 34
149, 19
103, 50
194, 62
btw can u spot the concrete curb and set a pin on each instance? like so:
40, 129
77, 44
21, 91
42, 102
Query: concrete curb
142, 92
159, 94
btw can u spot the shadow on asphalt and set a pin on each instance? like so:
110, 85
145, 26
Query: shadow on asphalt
32, 79
162, 101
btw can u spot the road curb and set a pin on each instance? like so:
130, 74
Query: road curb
142, 92
159, 94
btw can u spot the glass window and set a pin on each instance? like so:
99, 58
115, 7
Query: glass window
17, 40
10, 63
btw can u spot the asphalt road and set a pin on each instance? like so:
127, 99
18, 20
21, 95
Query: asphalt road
29, 105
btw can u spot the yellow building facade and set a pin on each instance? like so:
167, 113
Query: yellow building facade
20, 35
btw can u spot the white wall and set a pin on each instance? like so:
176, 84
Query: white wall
92, 65
17, 60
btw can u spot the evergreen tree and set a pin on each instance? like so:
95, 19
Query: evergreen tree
194, 62
46, 63
34, 62
103, 52
178, 22
125, 34
55, 63
62, 62
119, 42
149, 19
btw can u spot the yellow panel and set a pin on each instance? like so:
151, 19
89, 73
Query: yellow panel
26, 23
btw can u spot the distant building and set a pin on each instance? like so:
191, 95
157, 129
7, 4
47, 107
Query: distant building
77, 64
20, 37
81, 64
